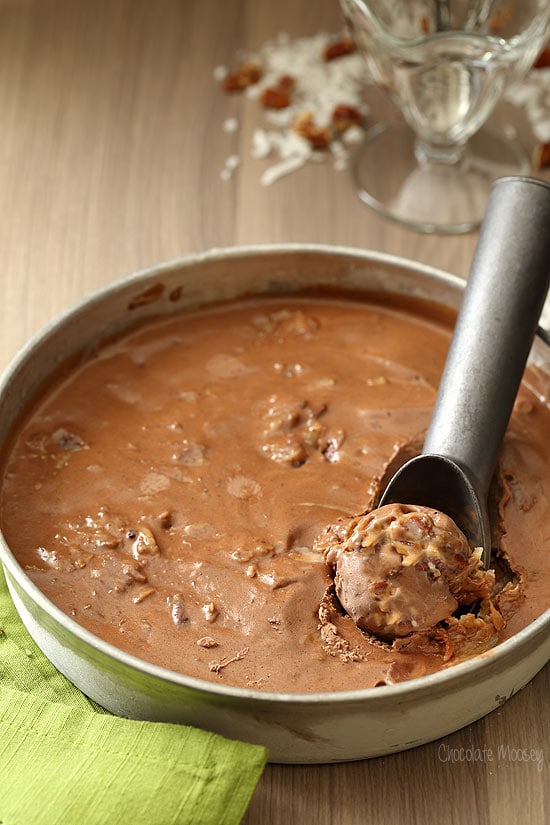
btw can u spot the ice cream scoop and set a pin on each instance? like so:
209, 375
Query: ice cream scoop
407, 566
495, 328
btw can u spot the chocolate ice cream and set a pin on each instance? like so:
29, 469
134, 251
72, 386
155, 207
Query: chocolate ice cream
401, 569
167, 492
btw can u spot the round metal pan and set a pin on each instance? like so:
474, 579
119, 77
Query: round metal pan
297, 728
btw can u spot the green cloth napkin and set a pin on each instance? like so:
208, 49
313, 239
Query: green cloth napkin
66, 761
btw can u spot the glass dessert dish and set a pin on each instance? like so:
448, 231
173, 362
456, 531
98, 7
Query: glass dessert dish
445, 64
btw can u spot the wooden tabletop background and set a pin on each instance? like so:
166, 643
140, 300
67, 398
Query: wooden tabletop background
111, 147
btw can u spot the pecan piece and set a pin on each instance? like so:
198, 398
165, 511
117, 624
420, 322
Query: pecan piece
318, 136
207, 641
143, 594
247, 74
541, 155
210, 612
339, 48
176, 605
543, 60
286, 81
344, 117
286, 451
278, 96
166, 520
144, 543
275, 97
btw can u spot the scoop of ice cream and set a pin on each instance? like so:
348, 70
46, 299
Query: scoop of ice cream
402, 569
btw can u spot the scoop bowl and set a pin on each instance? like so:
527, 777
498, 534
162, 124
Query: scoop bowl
494, 332
297, 728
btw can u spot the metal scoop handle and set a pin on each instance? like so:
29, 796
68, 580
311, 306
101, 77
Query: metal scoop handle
501, 306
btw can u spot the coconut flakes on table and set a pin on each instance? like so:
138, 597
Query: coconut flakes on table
232, 163
311, 93
230, 125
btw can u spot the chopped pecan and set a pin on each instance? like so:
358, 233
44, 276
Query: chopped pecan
275, 97
318, 136
144, 543
207, 641
247, 74
330, 448
286, 451
142, 594
344, 116
176, 605
541, 155
339, 48
166, 520
116, 574
278, 96
543, 60
286, 81
210, 612
292, 429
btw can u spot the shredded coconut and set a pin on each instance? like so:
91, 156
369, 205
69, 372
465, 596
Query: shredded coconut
230, 125
321, 85
533, 94
353, 135
284, 167
219, 73
261, 144
231, 164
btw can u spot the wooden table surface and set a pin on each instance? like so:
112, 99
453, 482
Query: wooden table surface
111, 147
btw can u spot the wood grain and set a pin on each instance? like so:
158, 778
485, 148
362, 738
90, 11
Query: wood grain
111, 149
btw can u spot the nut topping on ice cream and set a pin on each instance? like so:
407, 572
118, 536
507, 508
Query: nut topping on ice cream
402, 569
